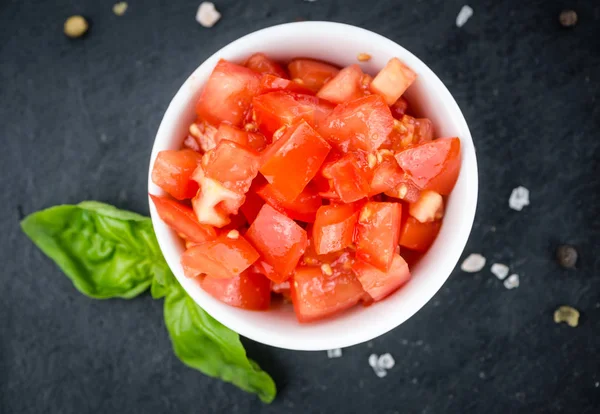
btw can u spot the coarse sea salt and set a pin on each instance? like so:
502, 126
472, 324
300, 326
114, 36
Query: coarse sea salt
500, 270
512, 281
377, 368
207, 15
386, 361
334, 353
463, 15
519, 198
472, 264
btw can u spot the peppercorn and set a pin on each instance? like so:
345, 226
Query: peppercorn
75, 26
566, 256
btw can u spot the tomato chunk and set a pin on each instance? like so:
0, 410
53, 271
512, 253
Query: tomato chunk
294, 159
343, 87
350, 176
380, 284
408, 132
214, 203
393, 80
173, 171
270, 83
419, 236
313, 73
204, 134
230, 133
377, 233
399, 108
429, 207
249, 290
259, 62
182, 219
334, 228
220, 258
434, 165
316, 295
256, 141
361, 124
275, 110
405, 190
251, 206
280, 241
233, 165
387, 174
303, 208
228, 94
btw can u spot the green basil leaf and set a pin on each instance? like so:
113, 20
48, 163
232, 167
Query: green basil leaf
106, 252
203, 343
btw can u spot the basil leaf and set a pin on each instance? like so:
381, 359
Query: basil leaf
203, 343
106, 252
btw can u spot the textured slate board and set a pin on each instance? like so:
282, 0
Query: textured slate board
77, 120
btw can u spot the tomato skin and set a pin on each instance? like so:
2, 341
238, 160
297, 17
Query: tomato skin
419, 236
249, 290
228, 94
343, 87
313, 73
386, 175
334, 228
434, 165
280, 241
270, 83
182, 219
303, 208
393, 80
233, 165
316, 296
300, 150
377, 233
275, 110
380, 284
350, 176
173, 170
361, 124
260, 63
223, 257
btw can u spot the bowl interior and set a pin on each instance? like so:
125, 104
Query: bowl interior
340, 44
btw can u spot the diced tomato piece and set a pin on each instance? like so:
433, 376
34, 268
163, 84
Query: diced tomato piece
312, 73
233, 165
260, 63
303, 208
334, 228
214, 203
293, 160
434, 165
393, 80
182, 219
423, 131
230, 133
270, 83
405, 190
173, 171
220, 258
228, 94
249, 290
408, 132
190, 143
399, 108
267, 270
345, 86
419, 236
322, 108
316, 295
350, 176
429, 207
380, 284
280, 241
251, 206
361, 124
279, 109
256, 141
204, 134
377, 233
387, 174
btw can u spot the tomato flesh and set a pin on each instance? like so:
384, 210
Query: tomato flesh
249, 290
399, 108
270, 83
173, 170
182, 219
380, 284
386, 175
303, 208
345, 86
214, 203
260, 63
393, 80
350, 176
276, 110
334, 228
418, 236
233, 165
313, 73
377, 233
230, 133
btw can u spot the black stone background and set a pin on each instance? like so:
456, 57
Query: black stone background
77, 121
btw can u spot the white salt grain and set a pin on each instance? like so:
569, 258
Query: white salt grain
386, 361
512, 282
519, 198
474, 263
207, 15
334, 353
500, 270
465, 14
373, 360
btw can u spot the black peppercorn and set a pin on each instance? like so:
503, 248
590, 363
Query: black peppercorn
566, 256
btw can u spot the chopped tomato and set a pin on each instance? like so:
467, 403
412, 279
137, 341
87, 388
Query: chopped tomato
434, 165
334, 228
190, 143
350, 176
228, 94
173, 171
267, 270
405, 190
303, 208
204, 134
270, 83
361, 124
377, 233
387, 174
259, 62
251, 206
429, 207
408, 132
275, 110
399, 108
380, 284
280, 241
230, 133
256, 141
313, 73
247, 291
418, 236
233, 165
182, 219
214, 203
220, 258
294, 159
393, 80
345, 86
316, 295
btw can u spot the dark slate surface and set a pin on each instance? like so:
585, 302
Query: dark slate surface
77, 120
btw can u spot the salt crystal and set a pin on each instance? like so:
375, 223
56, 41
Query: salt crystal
474, 263
334, 353
512, 281
373, 360
386, 361
500, 270
207, 15
378, 369
465, 14
519, 198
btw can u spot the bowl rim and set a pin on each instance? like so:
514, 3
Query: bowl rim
316, 344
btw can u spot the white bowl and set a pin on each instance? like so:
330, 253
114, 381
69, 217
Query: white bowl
340, 44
